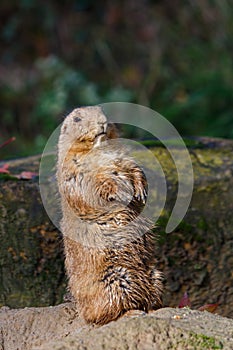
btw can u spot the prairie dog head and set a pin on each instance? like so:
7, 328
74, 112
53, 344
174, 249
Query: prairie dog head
86, 125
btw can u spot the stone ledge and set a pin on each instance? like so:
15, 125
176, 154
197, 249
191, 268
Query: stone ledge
59, 328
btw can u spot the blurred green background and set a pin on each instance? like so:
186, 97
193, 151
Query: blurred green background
173, 56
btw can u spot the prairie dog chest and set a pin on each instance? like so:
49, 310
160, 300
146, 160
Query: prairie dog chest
98, 177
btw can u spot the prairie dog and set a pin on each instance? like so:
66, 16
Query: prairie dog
109, 248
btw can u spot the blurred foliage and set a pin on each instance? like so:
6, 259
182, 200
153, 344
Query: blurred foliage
173, 56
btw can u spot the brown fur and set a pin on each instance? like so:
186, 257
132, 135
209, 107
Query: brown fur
109, 247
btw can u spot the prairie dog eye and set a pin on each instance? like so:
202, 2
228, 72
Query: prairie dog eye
115, 172
77, 119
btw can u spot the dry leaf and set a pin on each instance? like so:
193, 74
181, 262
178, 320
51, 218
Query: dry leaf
208, 307
26, 175
4, 169
185, 301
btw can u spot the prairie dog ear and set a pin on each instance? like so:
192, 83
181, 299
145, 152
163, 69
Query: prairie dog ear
113, 131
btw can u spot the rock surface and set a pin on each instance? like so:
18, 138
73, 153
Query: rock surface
59, 328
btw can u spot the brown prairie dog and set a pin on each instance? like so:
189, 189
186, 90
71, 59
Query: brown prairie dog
109, 248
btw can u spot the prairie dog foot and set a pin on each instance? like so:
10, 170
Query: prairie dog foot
134, 313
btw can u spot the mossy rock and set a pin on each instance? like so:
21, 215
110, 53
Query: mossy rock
196, 257
31, 258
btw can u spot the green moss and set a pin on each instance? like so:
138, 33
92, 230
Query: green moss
6, 177
201, 341
202, 224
